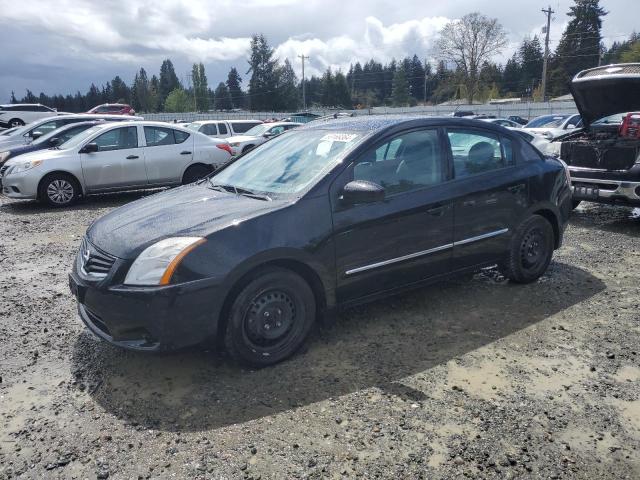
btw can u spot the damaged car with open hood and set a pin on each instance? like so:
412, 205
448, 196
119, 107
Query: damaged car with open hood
604, 156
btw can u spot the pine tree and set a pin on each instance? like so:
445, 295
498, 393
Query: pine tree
155, 99
222, 98
400, 90
233, 84
13, 97
531, 58
579, 47
121, 92
168, 80
342, 93
140, 92
263, 82
417, 75
328, 89
93, 96
287, 90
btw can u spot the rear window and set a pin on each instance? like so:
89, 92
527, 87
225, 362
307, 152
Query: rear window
242, 127
222, 128
180, 136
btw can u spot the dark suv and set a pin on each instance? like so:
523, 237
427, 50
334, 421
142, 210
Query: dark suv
604, 156
324, 216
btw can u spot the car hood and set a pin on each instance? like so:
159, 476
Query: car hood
600, 96
241, 139
191, 210
48, 154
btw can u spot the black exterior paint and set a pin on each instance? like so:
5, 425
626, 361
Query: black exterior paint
317, 235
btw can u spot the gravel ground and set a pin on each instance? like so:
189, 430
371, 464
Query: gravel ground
473, 378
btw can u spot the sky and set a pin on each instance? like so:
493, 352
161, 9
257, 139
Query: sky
61, 46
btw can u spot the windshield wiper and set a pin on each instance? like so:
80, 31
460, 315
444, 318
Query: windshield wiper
239, 191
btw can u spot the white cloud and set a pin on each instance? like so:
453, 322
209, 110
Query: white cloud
376, 41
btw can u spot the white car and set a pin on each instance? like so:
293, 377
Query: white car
28, 133
258, 135
113, 157
552, 126
505, 122
538, 141
223, 128
18, 114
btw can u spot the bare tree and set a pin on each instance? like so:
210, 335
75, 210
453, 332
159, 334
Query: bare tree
469, 42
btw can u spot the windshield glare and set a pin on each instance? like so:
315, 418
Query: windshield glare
257, 130
289, 163
550, 121
616, 118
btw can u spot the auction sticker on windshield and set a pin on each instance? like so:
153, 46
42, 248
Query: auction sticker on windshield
339, 137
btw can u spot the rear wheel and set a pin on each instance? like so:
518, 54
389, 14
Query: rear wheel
15, 122
247, 148
195, 173
531, 250
270, 318
59, 190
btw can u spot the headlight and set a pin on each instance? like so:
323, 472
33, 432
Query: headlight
156, 264
23, 167
4, 156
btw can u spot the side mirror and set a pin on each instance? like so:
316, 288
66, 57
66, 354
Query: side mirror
36, 134
89, 148
362, 191
268, 135
571, 127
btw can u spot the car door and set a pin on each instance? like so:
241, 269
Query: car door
118, 163
492, 194
405, 238
166, 154
223, 130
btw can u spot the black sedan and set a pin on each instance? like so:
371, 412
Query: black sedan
51, 140
326, 216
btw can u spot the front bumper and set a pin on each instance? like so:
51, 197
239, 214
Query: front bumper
22, 185
148, 318
605, 191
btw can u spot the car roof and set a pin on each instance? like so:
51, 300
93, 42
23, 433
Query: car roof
22, 105
377, 123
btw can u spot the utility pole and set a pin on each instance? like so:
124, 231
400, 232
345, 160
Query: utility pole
425, 81
304, 94
548, 12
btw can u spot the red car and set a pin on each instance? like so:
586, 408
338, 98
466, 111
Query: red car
113, 109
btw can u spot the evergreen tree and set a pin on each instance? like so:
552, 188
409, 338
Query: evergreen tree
121, 92
328, 90
140, 92
93, 96
168, 81
287, 90
155, 99
400, 91
13, 97
235, 91
511, 76
579, 47
342, 93
263, 82
532, 59
416, 73
178, 101
222, 98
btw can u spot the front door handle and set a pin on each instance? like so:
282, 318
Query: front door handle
516, 188
185, 153
469, 203
132, 157
437, 211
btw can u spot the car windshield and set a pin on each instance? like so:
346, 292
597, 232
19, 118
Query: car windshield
258, 130
74, 142
63, 134
288, 164
549, 121
611, 119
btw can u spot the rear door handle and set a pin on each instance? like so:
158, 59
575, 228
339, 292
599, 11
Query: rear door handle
131, 157
469, 203
437, 211
516, 188
185, 153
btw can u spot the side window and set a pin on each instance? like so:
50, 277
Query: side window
474, 152
158, 136
276, 130
408, 162
118, 139
113, 109
242, 127
181, 137
209, 129
222, 128
574, 121
47, 127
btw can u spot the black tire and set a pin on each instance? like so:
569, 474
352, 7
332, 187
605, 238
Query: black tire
530, 252
247, 148
270, 318
575, 203
195, 173
59, 190
15, 122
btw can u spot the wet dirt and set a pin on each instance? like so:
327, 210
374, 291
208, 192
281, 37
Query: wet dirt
475, 377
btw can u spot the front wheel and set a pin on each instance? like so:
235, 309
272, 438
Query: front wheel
15, 122
59, 190
270, 318
531, 250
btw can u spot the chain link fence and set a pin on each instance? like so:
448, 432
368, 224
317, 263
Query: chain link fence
526, 110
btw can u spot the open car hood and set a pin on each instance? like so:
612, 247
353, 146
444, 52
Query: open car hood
603, 91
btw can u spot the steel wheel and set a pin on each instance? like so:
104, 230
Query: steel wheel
269, 318
533, 249
60, 192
